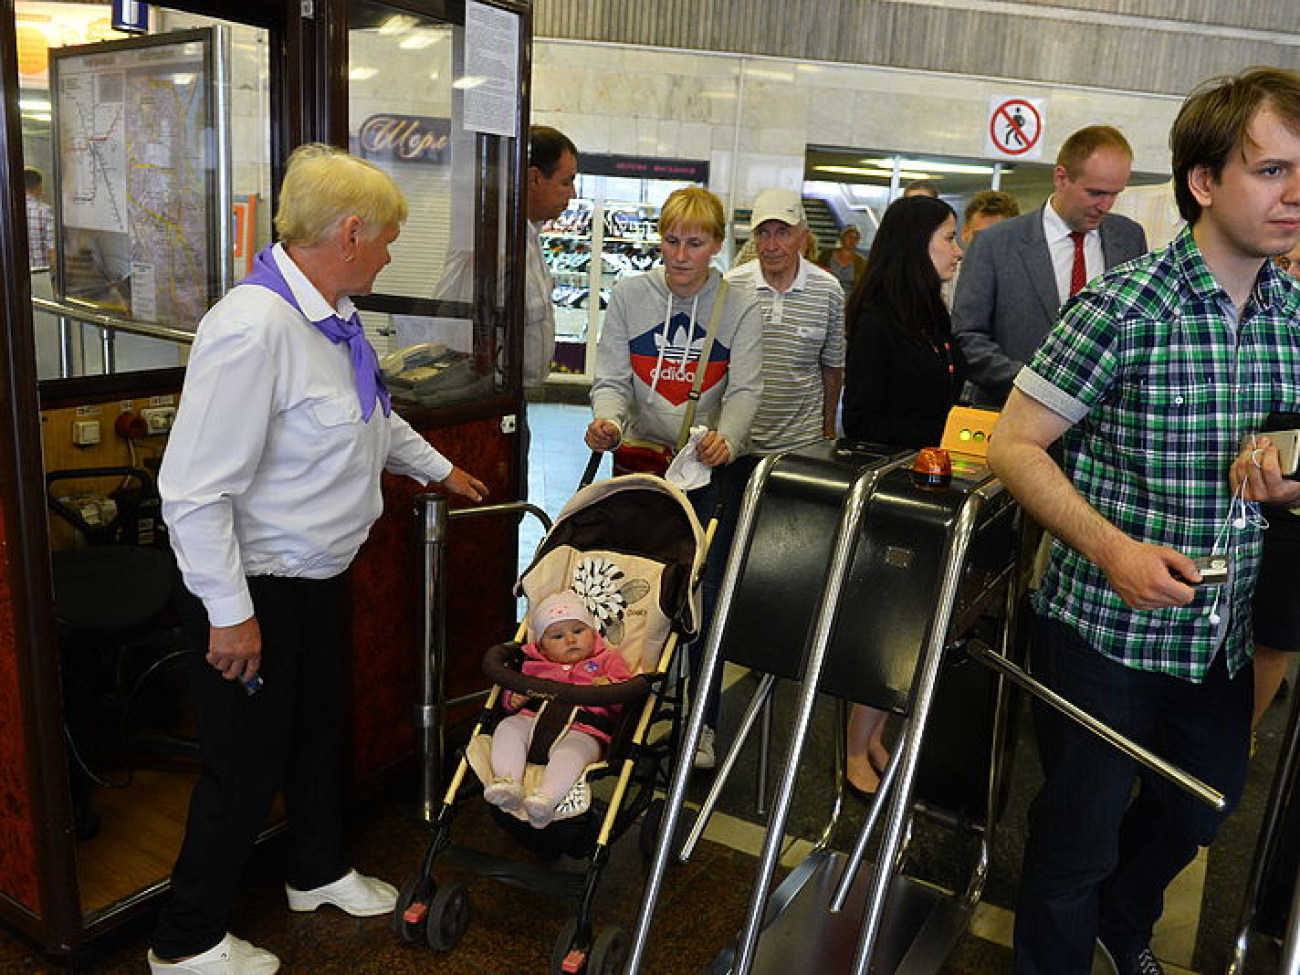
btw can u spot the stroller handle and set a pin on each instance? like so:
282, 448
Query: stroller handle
593, 464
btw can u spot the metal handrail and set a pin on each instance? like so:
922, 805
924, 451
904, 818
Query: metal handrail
1183, 780
434, 518
112, 322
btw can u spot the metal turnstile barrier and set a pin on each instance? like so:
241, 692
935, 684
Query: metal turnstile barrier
861, 581
1271, 904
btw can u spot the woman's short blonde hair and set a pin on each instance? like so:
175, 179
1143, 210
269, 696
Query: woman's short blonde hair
693, 206
323, 185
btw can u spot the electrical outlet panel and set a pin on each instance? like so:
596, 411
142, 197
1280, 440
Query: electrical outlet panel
159, 419
85, 433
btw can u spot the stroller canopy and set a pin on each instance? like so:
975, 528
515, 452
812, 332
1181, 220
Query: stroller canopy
633, 549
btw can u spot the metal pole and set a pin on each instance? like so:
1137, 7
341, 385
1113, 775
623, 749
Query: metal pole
764, 758
1188, 783
108, 349
762, 699
710, 671
431, 511
846, 538
900, 797
434, 518
1290, 962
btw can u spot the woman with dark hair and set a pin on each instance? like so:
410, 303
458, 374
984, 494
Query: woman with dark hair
903, 373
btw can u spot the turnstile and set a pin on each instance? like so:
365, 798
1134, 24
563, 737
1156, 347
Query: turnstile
852, 576
856, 578
1271, 905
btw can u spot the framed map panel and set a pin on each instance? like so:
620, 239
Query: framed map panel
140, 174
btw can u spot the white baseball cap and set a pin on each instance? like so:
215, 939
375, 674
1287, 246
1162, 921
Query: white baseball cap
783, 205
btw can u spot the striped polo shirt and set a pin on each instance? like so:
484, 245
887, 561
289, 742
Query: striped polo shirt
803, 330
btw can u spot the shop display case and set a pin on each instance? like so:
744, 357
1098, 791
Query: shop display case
610, 231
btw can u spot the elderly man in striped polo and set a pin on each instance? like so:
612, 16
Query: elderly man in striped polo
803, 362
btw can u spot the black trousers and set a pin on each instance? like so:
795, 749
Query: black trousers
285, 738
1098, 859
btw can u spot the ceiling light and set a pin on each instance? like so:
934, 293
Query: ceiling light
397, 23
469, 81
420, 40
362, 74
874, 173
934, 165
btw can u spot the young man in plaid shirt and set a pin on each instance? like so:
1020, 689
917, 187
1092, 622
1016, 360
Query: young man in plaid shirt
1151, 379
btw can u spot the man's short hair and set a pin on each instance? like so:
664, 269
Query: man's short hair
546, 147
921, 187
993, 202
32, 179
1078, 148
1213, 120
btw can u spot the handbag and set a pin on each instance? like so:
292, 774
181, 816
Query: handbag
642, 457
633, 456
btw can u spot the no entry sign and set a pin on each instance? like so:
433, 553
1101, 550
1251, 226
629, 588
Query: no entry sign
1015, 127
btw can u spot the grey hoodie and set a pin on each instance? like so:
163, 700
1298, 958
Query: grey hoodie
644, 370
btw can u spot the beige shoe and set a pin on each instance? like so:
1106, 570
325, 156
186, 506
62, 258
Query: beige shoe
504, 793
352, 893
229, 956
540, 809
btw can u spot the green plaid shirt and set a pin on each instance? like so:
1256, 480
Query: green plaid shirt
1162, 385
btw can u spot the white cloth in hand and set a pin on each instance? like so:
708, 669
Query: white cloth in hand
687, 471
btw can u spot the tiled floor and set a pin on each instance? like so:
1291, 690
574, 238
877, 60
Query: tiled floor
512, 931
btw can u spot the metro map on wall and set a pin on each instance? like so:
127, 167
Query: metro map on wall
135, 176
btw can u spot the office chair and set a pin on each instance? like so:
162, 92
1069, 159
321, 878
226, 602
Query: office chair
109, 594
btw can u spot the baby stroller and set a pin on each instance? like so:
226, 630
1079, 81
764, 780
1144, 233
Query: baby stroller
633, 549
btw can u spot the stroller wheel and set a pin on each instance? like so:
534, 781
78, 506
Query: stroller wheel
448, 917
564, 947
411, 910
608, 953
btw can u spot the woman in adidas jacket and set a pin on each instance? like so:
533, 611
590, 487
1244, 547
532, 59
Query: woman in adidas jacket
655, 330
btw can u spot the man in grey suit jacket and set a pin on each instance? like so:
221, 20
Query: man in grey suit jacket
1017, 274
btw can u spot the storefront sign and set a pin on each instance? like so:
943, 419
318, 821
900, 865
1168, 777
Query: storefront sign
405, 138
644, 167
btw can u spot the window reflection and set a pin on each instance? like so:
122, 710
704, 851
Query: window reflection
405, 116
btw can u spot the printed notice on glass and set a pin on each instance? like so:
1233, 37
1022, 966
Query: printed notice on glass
491, 79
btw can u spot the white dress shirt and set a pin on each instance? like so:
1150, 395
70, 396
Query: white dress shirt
269, 469
1061, 247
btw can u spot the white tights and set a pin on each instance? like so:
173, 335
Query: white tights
572, 752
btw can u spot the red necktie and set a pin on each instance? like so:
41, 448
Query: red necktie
1079, 270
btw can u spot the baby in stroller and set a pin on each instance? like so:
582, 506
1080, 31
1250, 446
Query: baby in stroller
567, 648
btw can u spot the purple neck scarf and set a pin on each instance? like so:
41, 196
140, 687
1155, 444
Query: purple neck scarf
365, 364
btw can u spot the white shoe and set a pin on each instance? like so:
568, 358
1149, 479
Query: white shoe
704, 756
352, 893
229, 956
